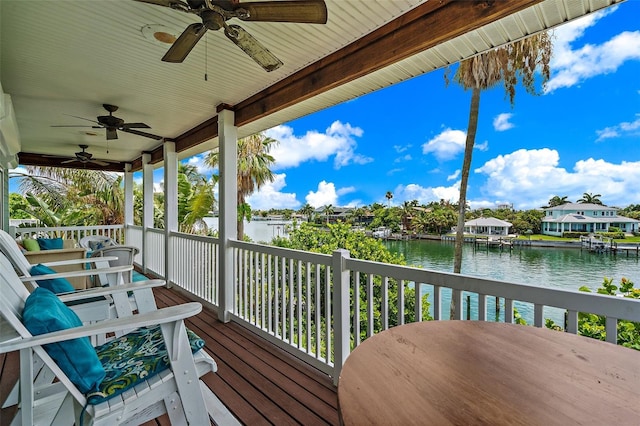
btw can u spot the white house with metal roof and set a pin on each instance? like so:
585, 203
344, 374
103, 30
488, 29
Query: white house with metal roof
487, 226
584, 217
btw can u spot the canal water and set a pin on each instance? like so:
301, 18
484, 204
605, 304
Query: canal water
565, 268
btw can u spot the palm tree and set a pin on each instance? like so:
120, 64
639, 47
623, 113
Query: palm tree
307, 210
589, 198
74, 196
328, 211
509, 63
558, 201
254, 162
407, 214
388, 196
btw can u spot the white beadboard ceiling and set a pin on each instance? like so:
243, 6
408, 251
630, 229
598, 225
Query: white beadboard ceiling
61, 59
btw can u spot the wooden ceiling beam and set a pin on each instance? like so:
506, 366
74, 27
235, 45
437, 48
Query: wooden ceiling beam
30, 159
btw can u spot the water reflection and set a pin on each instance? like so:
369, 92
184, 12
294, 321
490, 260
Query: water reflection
566, 268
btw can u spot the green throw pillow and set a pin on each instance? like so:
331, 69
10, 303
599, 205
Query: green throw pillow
56, 285
44, 313
30, 244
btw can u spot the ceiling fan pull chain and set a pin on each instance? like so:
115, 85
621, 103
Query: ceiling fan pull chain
206, 56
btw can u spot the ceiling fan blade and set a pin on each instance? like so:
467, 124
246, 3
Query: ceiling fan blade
71, 160
134, 126
306, 12
183, 45
145, 134
111, 133
99, 163
167, 3
253, 48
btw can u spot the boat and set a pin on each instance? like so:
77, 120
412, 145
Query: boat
381, 232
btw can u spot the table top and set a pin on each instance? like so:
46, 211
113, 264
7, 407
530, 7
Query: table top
476, 372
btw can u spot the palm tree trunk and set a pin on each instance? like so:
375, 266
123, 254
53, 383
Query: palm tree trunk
466, 167
240, 224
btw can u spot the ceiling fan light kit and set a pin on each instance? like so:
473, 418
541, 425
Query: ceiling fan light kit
215, 14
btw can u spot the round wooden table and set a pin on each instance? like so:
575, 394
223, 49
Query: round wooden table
472, 372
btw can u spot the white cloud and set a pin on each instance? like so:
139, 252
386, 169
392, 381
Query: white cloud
270, 196
198, 162
622, 129
454, 175
571, 67
19, 170
406, 157
484, 146
337, 141
425, 195
400, 148
529, 178
446, 145
501, 122
327, 194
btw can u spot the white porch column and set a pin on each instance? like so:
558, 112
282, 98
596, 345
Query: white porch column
170, 205
147, 205
228, 208
4, 198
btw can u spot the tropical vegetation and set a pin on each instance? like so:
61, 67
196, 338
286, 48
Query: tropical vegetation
254, 170
592, 325
341, 236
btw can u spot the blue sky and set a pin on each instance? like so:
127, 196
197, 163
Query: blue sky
581, 135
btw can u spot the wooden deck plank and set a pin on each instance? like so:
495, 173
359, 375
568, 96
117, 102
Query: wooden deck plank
259, 383
270, 372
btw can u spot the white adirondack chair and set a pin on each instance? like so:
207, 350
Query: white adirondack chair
96, 240
112, 275
124, 256
176, 391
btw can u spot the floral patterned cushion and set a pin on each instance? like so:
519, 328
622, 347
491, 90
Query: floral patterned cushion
132, 358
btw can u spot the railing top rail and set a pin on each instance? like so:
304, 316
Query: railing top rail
305, 256
155, 230
204, 238
614, 307
67, 228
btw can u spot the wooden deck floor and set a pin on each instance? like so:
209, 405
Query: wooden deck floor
259, 383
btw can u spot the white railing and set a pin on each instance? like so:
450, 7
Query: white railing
134, 237
115, 232
154, 251
286, 295
195, 265
319, 307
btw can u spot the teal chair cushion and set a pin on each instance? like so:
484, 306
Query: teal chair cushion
50, 243
44, 313
56, 285
132, 358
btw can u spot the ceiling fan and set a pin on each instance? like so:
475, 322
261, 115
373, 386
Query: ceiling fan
216, 13
113, 123
83, 157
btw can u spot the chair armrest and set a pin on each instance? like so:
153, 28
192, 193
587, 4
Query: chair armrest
161, 316
105, 291
79, 261
83, 273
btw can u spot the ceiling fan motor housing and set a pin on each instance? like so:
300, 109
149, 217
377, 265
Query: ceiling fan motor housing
110, 121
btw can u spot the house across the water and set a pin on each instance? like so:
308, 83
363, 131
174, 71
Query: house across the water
487, 226
584, 217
